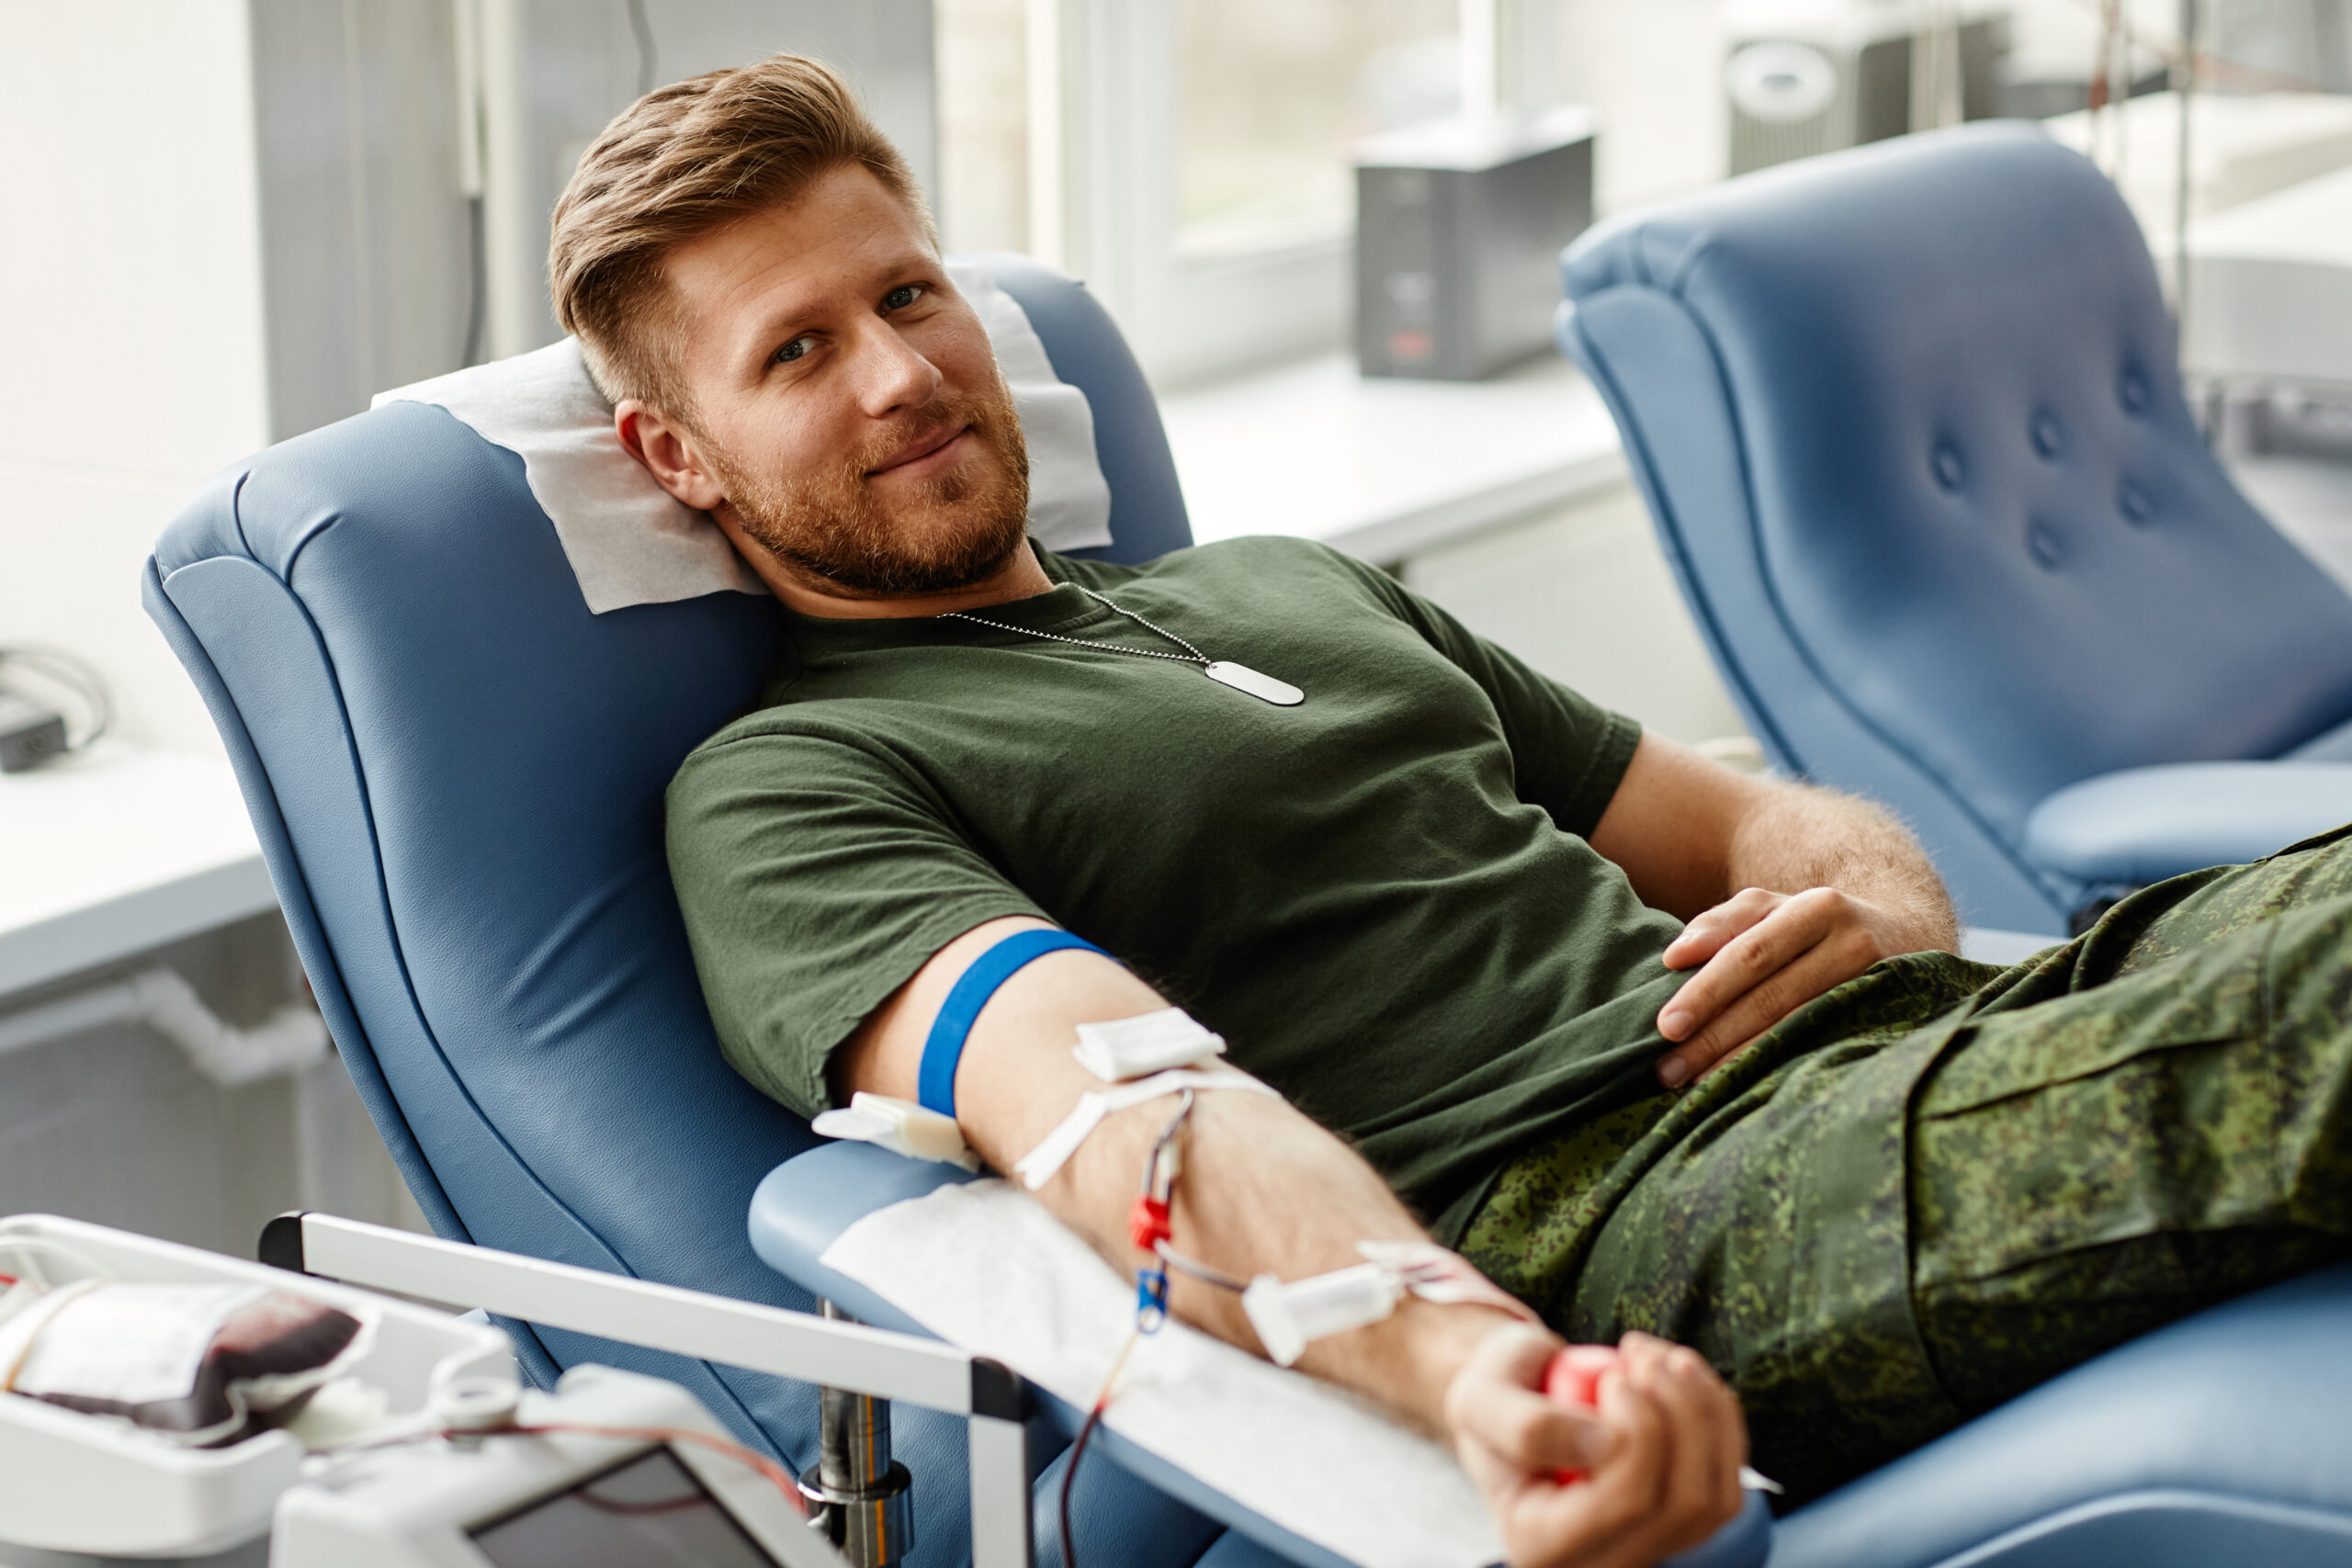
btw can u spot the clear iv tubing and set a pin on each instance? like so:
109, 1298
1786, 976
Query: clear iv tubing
1158, 1187
37, 1245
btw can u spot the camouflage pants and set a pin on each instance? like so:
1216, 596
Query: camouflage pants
1943, 1182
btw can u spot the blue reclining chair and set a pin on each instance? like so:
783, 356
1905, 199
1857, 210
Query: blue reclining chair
1908, 421
457, 774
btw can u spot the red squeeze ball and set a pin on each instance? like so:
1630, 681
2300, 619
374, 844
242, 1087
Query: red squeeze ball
1574, 1378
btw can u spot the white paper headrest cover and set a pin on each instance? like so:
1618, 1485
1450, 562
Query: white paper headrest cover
629, 542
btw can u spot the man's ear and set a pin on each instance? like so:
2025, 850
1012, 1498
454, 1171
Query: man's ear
668, 453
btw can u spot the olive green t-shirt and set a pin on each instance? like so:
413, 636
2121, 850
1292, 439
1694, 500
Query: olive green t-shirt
1382, 898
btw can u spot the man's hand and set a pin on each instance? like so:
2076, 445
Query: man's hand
1663, 1459
1789, 890
1762, 956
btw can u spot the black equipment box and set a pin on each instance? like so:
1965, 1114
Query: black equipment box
1459, 229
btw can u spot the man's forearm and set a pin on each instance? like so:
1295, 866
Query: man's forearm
1264, 1190
1799, 837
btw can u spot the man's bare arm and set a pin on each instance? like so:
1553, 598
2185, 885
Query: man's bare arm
1789, 890
1266, 1190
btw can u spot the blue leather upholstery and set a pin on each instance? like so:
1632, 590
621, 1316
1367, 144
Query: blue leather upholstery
2140, 824
2224, 1438
1908, 421
455, 774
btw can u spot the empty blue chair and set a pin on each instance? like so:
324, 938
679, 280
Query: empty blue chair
1908, 422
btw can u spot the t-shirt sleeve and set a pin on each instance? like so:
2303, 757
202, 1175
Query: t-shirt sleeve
816, 877
1568, 753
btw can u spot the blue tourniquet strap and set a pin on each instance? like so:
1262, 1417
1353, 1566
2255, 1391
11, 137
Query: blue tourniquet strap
935, 1083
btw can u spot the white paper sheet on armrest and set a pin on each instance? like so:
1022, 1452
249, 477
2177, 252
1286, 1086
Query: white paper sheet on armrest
989, 1270
630, 543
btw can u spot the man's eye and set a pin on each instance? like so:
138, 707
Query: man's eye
905, 294
794, 350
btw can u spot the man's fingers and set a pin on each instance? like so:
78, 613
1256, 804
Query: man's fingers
1669, 1480
1787, 930
1693, 1506
1814, 971
1706, 935
1496, 1401
1845, 953
1694, 1015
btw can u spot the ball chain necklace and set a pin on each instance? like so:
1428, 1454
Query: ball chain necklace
1241, 677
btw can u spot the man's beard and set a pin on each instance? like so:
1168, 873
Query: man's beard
942, 534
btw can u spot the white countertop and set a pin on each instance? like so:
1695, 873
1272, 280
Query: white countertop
1384, 469
109, 853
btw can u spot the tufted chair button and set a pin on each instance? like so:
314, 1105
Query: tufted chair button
2134, 504
2041, 541
2046, 433
2132, 389
1950, 470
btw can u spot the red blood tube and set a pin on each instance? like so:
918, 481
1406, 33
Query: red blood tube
1574, 1378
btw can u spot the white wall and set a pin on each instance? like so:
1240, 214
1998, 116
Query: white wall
131, 338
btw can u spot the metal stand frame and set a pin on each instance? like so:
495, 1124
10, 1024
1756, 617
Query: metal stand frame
834, 1353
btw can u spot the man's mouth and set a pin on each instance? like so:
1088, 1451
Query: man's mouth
914, 456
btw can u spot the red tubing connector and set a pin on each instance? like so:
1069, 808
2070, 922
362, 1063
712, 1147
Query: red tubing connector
1147, 1223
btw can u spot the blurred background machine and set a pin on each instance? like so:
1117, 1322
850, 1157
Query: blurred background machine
1807, 77
1459, 229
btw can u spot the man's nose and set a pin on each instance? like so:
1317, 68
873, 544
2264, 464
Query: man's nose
891, 377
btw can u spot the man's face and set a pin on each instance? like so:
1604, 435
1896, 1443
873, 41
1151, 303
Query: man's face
848, 415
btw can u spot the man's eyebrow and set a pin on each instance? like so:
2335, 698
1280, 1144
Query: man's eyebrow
771, 326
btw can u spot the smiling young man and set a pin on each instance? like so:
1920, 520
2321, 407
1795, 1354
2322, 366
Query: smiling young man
1669, 1052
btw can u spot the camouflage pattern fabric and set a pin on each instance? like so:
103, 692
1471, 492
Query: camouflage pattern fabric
1943, 1182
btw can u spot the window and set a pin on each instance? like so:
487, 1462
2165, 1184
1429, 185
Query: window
1271, 94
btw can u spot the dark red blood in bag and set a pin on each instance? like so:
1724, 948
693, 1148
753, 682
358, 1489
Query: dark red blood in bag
1574, 1378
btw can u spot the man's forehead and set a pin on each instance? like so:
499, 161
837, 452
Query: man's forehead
833, 246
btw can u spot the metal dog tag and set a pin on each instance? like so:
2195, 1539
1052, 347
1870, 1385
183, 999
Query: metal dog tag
1265, 688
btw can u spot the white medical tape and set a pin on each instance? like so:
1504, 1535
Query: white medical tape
1150, 1042
1037, 1167
1288, 1317
899, 1125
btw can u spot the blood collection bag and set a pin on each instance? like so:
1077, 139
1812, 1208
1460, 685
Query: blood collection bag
201, 1364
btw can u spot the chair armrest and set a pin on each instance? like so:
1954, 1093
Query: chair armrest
2142, 825
801, 1205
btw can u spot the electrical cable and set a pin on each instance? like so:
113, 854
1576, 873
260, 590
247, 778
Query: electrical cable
776, 1475
477, 280
77, 675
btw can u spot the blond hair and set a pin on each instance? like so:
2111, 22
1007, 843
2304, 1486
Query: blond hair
680, 163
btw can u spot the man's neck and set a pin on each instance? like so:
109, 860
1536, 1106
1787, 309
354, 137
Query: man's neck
1020, 577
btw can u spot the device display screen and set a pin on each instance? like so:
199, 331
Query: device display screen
647, 1512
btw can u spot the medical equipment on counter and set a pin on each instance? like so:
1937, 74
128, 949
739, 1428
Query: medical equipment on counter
605, 1470
421, 1450
77, 1482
